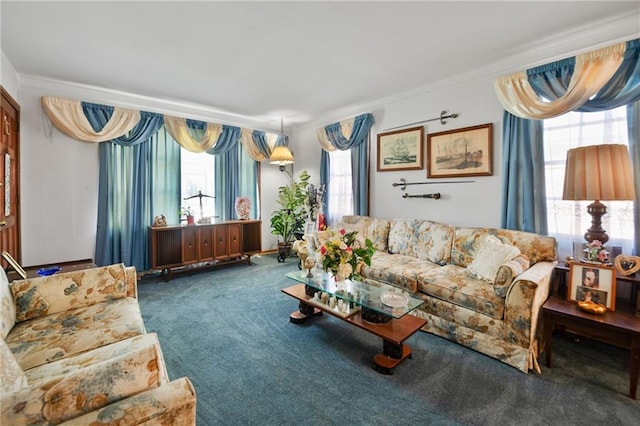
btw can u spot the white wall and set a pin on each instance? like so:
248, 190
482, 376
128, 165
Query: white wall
472, 204
9, 78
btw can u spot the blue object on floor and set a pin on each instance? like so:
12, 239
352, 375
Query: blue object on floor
43, 272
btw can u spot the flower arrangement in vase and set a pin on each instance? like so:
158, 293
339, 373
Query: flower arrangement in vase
243, 208
342, 254
595, 252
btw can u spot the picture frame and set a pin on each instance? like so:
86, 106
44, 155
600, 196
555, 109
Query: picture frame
14, 265
401, 150
592, 282
461, 152
310, 228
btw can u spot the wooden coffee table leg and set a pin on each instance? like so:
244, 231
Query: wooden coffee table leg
304, 312
392, 355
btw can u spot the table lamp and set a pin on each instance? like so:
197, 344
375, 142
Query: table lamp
599, 173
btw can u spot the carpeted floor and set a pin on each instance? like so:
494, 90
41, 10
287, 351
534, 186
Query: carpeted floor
228, 330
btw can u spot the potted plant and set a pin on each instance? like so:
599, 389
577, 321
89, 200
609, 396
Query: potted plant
289, 220
188, 214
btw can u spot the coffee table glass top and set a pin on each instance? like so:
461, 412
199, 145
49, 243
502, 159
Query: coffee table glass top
383, 298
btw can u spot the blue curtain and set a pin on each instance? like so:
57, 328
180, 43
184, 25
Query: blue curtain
227, 172
125, 190
358, 143
360, 185
523, 198
325, 177
523, 185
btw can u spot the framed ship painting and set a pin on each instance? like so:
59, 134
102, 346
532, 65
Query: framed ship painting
461, 152
401, 150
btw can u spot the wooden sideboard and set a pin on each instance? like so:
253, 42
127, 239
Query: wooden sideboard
203, 245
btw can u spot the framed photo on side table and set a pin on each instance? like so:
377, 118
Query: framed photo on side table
461, 152
401, 149
592, 282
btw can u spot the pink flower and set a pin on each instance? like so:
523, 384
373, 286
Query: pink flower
602, 256
596, 243
349, 250
343, 231
323, 250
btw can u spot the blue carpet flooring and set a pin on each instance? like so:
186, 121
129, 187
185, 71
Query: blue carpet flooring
228, 330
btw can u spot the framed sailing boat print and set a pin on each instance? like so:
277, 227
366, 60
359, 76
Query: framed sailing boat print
461, 152
401, 150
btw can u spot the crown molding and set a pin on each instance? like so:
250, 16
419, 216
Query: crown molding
567, 44
122, 99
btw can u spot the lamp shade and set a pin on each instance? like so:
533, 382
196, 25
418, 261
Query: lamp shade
598, 172
281, 156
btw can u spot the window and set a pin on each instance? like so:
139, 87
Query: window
340, 202
197, 174
569, 220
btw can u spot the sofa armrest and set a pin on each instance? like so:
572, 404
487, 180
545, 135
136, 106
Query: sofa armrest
83, 390
131, 277
42, 296
170, 404
525, 297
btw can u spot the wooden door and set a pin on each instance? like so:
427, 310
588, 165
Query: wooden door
9, 175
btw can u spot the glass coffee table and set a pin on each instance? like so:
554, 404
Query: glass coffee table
378, 308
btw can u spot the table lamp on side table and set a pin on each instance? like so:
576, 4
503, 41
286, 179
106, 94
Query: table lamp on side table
599, 173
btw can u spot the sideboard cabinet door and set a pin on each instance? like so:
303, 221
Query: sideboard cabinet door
235, 239
220, 236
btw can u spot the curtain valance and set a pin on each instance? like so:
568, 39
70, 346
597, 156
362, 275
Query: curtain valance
178, 129
591, 72
68, 116
89, 122
99, 116
345, 134
552, 81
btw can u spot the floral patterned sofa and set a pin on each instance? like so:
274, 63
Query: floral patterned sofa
482, 287
74, 350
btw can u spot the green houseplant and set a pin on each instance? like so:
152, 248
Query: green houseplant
289, 220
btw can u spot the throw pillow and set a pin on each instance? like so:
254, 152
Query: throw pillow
491, 255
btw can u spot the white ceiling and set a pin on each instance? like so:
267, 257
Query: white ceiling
260, 61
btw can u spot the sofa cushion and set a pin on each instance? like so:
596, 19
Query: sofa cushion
461, 287
45, 339
49, 295
375, 229
397, 270
434, 241
7, 306
12, 377
402, 237
97, 355
491, 255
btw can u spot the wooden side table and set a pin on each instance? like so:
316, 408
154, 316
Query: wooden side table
620, 329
